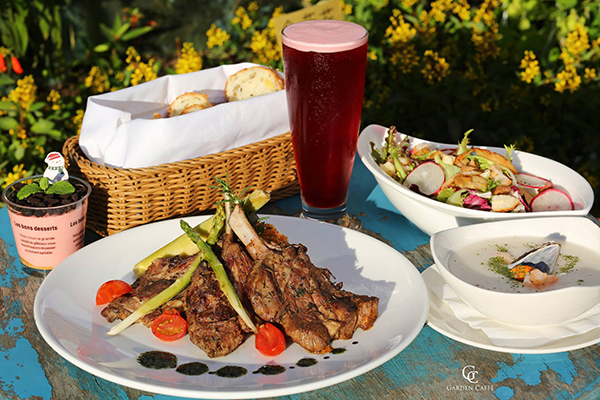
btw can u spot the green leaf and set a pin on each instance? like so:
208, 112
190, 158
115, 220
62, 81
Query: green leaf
38, 105
567, 3
42, 126
56, 134
44, 183
116, 23
109, 33
28, 190
7, 105
61, 187
137, 32
101, 48
6, 80
8, 123
122, 29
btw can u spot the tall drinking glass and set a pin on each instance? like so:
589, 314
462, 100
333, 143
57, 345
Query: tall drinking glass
324, 64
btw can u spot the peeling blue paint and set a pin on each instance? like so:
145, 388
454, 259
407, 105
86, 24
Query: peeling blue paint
504, 393
419, 362
12, 269
21, 360
529, 368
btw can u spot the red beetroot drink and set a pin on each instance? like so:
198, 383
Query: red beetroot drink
324, 64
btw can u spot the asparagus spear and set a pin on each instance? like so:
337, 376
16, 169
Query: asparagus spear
183, 246
224, 282
159, 299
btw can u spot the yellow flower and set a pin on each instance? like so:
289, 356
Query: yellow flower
253, 6
132, 55
264, 46
489, 105
576, 43
567, 79
25, 93
407, 59
462, 9
276, 13
346, 8
18, 172
590, 73
399, 31
242, 18
22, 134
409, 3
485, 29
97, 80
372, 55
438, 10
216, 37
486, 106
189, 61
143, 73
54, 98
78, 119
436, 68
530, 67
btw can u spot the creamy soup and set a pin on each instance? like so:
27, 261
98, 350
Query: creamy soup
478, 264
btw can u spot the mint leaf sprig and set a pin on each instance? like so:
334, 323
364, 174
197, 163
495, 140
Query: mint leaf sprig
44, 186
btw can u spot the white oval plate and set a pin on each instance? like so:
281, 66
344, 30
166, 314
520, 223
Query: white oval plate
432, 216
69, 320
442, 319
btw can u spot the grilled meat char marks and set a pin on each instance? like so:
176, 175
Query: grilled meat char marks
159, 276
286, 288
213, 325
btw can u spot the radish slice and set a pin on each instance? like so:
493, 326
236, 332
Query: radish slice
427, 178
551, 200
532, 181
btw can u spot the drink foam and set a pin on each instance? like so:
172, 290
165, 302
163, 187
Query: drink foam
324, 36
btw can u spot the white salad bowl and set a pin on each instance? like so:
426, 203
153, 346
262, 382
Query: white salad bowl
431, 216
460, 255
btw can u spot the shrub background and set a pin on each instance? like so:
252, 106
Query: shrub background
516, 71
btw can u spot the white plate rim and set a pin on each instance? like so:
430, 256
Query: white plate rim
420, 290
550, 348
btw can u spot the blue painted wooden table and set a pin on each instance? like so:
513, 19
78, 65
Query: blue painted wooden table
430, 367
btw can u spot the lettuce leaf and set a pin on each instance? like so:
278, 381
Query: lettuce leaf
473, 201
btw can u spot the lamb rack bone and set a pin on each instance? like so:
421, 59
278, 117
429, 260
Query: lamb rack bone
246, 233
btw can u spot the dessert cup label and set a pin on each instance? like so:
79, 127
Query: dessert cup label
43, 242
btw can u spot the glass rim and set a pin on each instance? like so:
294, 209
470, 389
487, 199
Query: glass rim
299, 44
15, 205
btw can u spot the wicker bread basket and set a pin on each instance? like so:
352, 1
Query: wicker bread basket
126, 197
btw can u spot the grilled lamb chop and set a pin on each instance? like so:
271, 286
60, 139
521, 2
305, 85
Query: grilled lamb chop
159, 276
286, 288
213, 325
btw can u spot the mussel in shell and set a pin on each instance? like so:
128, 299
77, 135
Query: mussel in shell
543, 257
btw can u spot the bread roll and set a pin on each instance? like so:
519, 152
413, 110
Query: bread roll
194, 107
185, 100
252, 82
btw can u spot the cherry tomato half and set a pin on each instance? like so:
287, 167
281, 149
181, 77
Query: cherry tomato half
111, 290
269, 340
169, 326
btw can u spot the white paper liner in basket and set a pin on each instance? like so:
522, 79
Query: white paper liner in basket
118, 129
